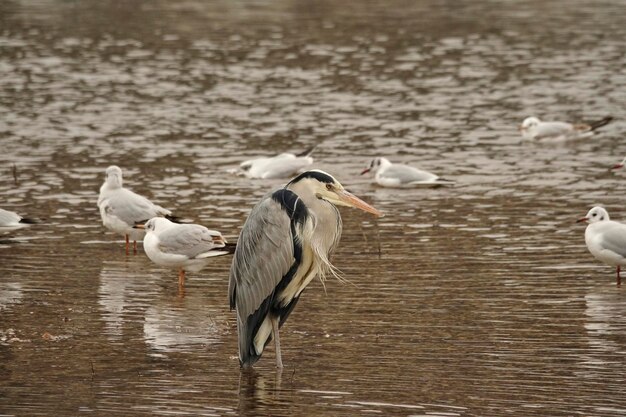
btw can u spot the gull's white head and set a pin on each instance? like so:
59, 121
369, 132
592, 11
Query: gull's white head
376, 164
596, 214
529, 123
114, 176
156, 224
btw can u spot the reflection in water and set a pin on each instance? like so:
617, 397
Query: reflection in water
10, 293
606, 320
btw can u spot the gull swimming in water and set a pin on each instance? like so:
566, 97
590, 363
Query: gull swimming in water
533, 128
10, 221
606, 239
283, 165
186, 247
399, 175
121, 209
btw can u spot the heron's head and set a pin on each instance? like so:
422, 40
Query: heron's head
376, 164
325, 187
114, 176
596, 214
529, 123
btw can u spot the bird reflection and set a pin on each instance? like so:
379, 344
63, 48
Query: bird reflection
258, 392
10, 293
606, 320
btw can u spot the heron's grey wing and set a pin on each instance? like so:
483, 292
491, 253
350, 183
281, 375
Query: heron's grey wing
8, 217
266, 259
189, 240
131, 207
264, 254
407, 174
552, 129
614, 238
286, 166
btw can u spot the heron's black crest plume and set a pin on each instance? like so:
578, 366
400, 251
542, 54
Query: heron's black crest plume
318, 175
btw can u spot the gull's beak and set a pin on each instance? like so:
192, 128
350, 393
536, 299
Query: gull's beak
365, 171
582, 219
351, 200
617, 166
139, 226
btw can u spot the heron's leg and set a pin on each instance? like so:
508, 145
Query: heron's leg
181, 278
619, 279
279, 359
135, 247
127, 244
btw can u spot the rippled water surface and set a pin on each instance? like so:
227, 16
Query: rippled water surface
473, 300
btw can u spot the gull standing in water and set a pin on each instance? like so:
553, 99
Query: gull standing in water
399, 175
286, 241
10, 221
533, 128
121, 209
186, 247
283, 165
606, 239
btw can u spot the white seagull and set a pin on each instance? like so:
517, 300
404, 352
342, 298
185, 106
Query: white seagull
283, 165
399, 175
533, 128
186, 247
606, 239
121, 209
10, 221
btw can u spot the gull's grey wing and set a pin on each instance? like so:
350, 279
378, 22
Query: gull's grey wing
614, 238
9, 218
407, 174
266, 259
131, 207
551, 129
189, 240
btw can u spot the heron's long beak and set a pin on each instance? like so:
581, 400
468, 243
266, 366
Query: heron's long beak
582, 219
351, 200
365, 171
617, 166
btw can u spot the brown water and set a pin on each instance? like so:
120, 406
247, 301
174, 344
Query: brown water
474, 300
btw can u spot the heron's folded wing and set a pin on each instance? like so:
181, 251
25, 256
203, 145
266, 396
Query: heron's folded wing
264, 254
189, 240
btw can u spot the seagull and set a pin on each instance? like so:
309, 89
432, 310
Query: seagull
121, 209
399, 175
283, 165
10, 221
187, 247
285, 243
606, 239
533, 128
620, 165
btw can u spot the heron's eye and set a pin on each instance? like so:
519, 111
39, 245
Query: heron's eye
329, 187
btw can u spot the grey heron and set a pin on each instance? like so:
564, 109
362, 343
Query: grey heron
9, 221
187, 247
121, 209
285, 242
282, 165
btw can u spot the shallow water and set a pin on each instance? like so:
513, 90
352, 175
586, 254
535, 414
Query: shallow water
478, 299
